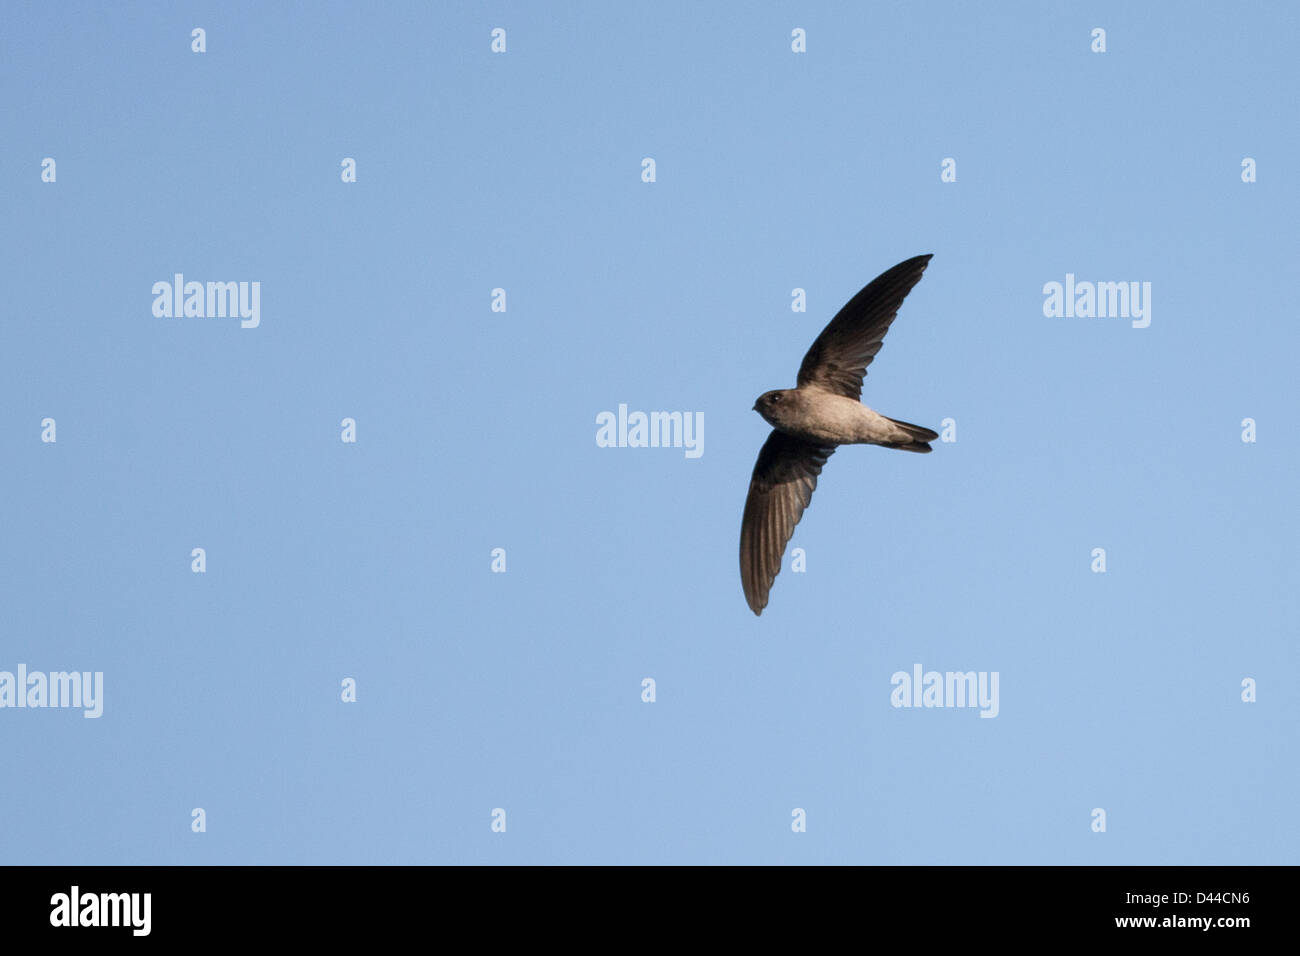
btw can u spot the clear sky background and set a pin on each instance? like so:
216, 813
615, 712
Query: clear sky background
476, 430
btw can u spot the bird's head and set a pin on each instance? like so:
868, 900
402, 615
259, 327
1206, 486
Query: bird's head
776, 405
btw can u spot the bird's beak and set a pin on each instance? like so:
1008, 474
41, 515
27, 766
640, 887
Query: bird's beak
755, 408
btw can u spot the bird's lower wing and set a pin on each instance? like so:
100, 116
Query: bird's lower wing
779, 491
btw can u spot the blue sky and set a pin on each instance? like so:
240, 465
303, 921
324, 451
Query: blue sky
475, 429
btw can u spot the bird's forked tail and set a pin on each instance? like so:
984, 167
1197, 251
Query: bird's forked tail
917, 437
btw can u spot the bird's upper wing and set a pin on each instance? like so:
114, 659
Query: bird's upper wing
779, 491
839, 357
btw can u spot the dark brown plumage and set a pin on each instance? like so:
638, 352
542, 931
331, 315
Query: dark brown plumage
811, 420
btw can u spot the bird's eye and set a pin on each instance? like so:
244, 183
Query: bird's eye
775, 397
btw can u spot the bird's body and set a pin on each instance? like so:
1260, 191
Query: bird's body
811, 420
825, 418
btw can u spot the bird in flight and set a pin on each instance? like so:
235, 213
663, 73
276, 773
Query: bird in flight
820, 413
